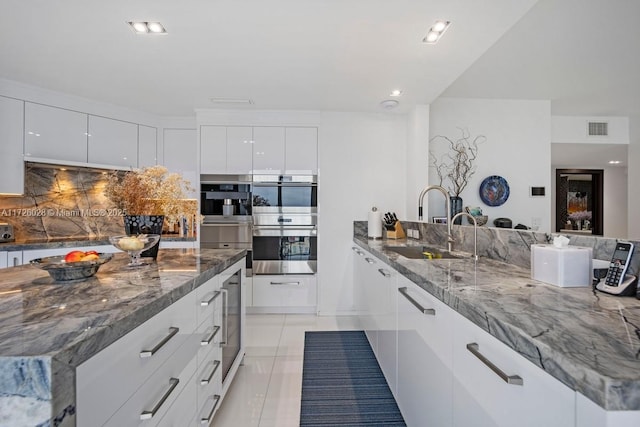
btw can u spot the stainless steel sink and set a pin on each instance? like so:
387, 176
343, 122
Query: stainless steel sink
420, 252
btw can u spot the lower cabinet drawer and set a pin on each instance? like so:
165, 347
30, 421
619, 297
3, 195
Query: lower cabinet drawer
156, 396
107, 380
284, 291
183, 408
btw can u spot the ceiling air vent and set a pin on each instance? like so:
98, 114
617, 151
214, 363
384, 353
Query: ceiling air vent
598, 129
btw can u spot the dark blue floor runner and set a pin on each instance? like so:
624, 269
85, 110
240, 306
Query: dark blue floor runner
342, 384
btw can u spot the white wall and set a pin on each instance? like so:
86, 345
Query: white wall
518, 148
614, 203
363, 158
417, 157
633, 195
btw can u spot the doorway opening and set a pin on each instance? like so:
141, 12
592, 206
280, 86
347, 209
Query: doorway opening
579, 197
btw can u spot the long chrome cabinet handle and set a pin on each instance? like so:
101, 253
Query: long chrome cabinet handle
225, 317
205, 381
404, 293
208, 339
148, 353
370, 260
384, 272
284, 283
216, 294
210, 416
474, 348
147, 415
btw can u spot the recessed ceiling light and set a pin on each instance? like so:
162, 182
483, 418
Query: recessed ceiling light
145, 27
436, 31
396, 92
614, 162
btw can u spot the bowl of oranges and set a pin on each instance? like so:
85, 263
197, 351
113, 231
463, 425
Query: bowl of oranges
72, 267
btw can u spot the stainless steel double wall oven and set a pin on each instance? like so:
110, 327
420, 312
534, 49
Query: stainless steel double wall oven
285, 224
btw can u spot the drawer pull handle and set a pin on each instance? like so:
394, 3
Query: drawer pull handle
285, 283
384, 272
474, 348
205, 381
147, 415
216, 294
358, 251
405, 293
148, 353
370, 260
208, 339
207, 420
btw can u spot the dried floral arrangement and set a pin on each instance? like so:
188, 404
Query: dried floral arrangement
457, 165
580, 216
151, 191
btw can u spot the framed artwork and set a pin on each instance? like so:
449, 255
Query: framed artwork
439, 219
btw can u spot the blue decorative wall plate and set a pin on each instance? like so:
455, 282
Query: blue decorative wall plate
494, 190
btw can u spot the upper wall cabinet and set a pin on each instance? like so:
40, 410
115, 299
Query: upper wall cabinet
181, 153
147, 146
301, 151
54, 133
268, 150
113, 142
11, 151
226, 150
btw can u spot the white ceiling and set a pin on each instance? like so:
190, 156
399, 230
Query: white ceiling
344, 55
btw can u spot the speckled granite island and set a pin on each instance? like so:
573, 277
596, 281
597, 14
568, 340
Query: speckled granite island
47, 329
588, 340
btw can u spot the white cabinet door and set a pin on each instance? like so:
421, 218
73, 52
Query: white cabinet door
147, 146
385, 314
14, 258
239, 150
54, 133
481, 397
425, 390
181, 153
4, 259
11, 146
287, 291
301, 151
113, 142
268, 150
213, 149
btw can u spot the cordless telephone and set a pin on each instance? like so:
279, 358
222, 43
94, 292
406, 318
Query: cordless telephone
617, 282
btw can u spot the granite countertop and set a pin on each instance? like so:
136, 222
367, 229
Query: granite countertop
71, 242
588, 340
48, 329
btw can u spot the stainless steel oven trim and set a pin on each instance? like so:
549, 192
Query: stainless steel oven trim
284, 231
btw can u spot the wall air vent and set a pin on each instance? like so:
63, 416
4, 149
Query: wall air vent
598, 128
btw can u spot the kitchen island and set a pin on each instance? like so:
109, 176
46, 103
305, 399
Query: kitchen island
47, 330
587, 340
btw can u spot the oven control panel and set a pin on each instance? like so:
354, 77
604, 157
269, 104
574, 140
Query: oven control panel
6, 233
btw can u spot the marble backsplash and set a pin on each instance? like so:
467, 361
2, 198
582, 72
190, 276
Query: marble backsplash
507, 245
60, 203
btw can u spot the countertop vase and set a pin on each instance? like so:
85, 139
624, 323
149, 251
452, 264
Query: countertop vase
145, 224
456, 207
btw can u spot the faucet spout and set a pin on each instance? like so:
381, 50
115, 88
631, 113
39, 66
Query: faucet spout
475, 231
447, 204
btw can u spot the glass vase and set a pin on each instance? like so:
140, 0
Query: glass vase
456, 207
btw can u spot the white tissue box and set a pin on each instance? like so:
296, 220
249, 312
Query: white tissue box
564, 267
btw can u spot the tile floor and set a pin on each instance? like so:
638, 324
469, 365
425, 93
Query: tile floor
266, 390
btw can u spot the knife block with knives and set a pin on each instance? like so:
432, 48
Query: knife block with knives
393, 227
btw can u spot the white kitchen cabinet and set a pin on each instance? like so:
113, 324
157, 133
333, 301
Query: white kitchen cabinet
269, 150
376, 284
589, 414
285, 293
4, 259
425, 390
482, 397
239, 150
301, 151
54, 133
14, 258
11, 146
147, 146
213, 149
112, 142
181, 153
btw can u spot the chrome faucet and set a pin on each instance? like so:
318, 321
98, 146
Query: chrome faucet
447, 208
475, 231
